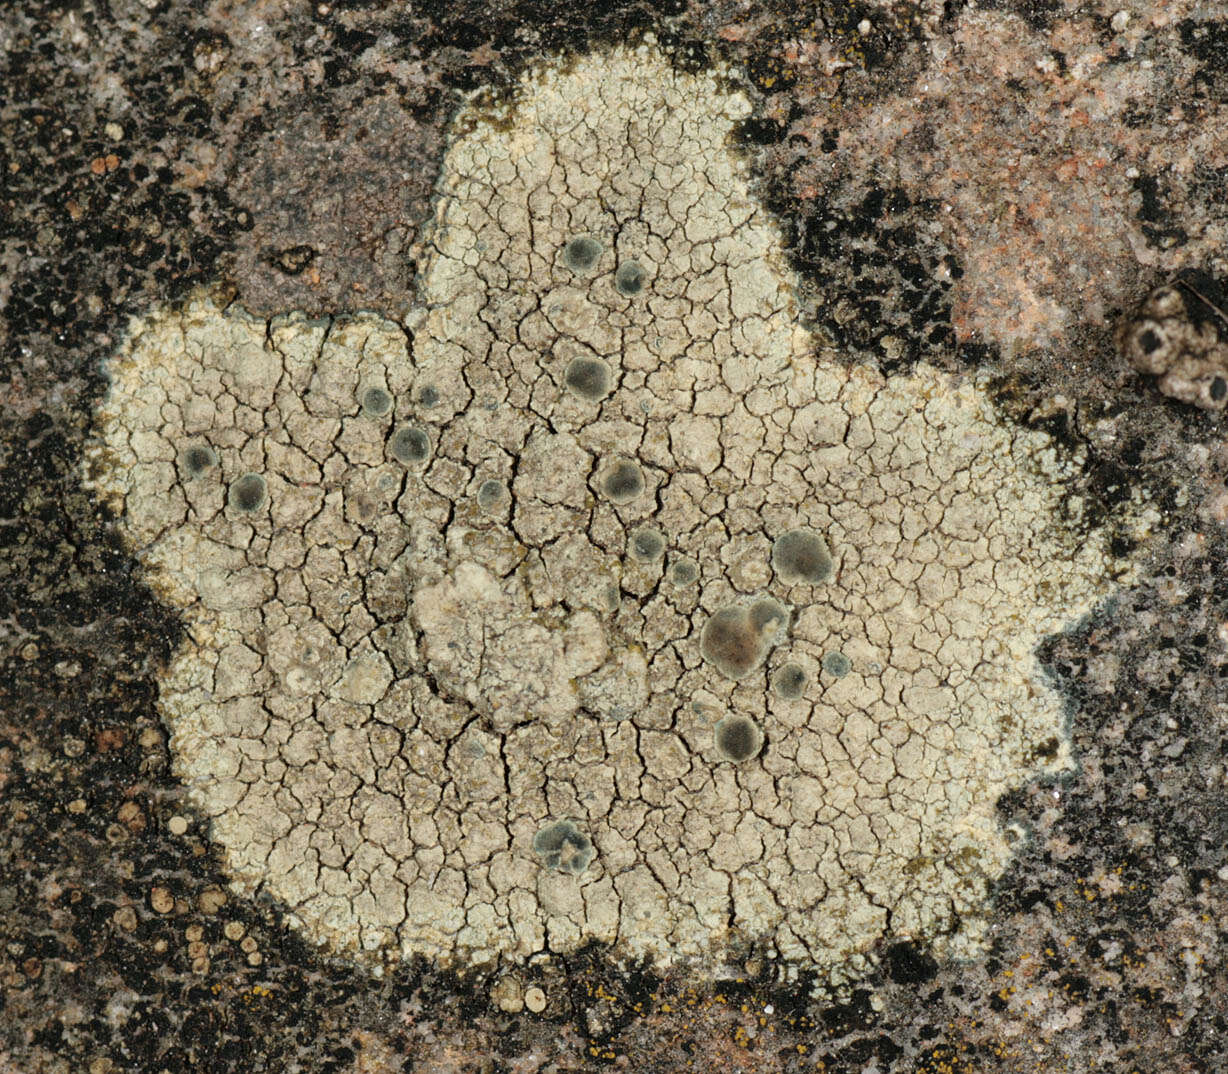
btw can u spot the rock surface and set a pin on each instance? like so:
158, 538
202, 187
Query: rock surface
977, 192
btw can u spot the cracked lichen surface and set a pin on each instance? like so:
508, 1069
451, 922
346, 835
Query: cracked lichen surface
410, 659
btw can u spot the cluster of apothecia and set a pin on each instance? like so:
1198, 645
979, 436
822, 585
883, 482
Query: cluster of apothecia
598, 602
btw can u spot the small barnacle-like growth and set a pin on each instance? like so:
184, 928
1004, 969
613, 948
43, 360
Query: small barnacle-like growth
737, 638
375, 401
837, 665
647, 544
629, 278
385, 684
789, 681
1180, 337
766, 617
801, 555
737, 738
248, 493
622, 480
564, 847
492, 495
588, 378
410, 445
581, 254
196, 460
730, 643
683, 572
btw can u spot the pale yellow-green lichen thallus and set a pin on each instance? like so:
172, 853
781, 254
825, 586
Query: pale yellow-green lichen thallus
437, 628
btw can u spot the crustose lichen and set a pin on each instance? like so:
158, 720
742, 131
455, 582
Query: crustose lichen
615, 540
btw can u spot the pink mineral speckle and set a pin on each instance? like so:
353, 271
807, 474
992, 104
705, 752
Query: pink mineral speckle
1038, 148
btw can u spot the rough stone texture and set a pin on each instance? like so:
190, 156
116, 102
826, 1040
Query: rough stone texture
1052, 220
125, 131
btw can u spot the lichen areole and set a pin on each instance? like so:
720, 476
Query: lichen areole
408, 641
